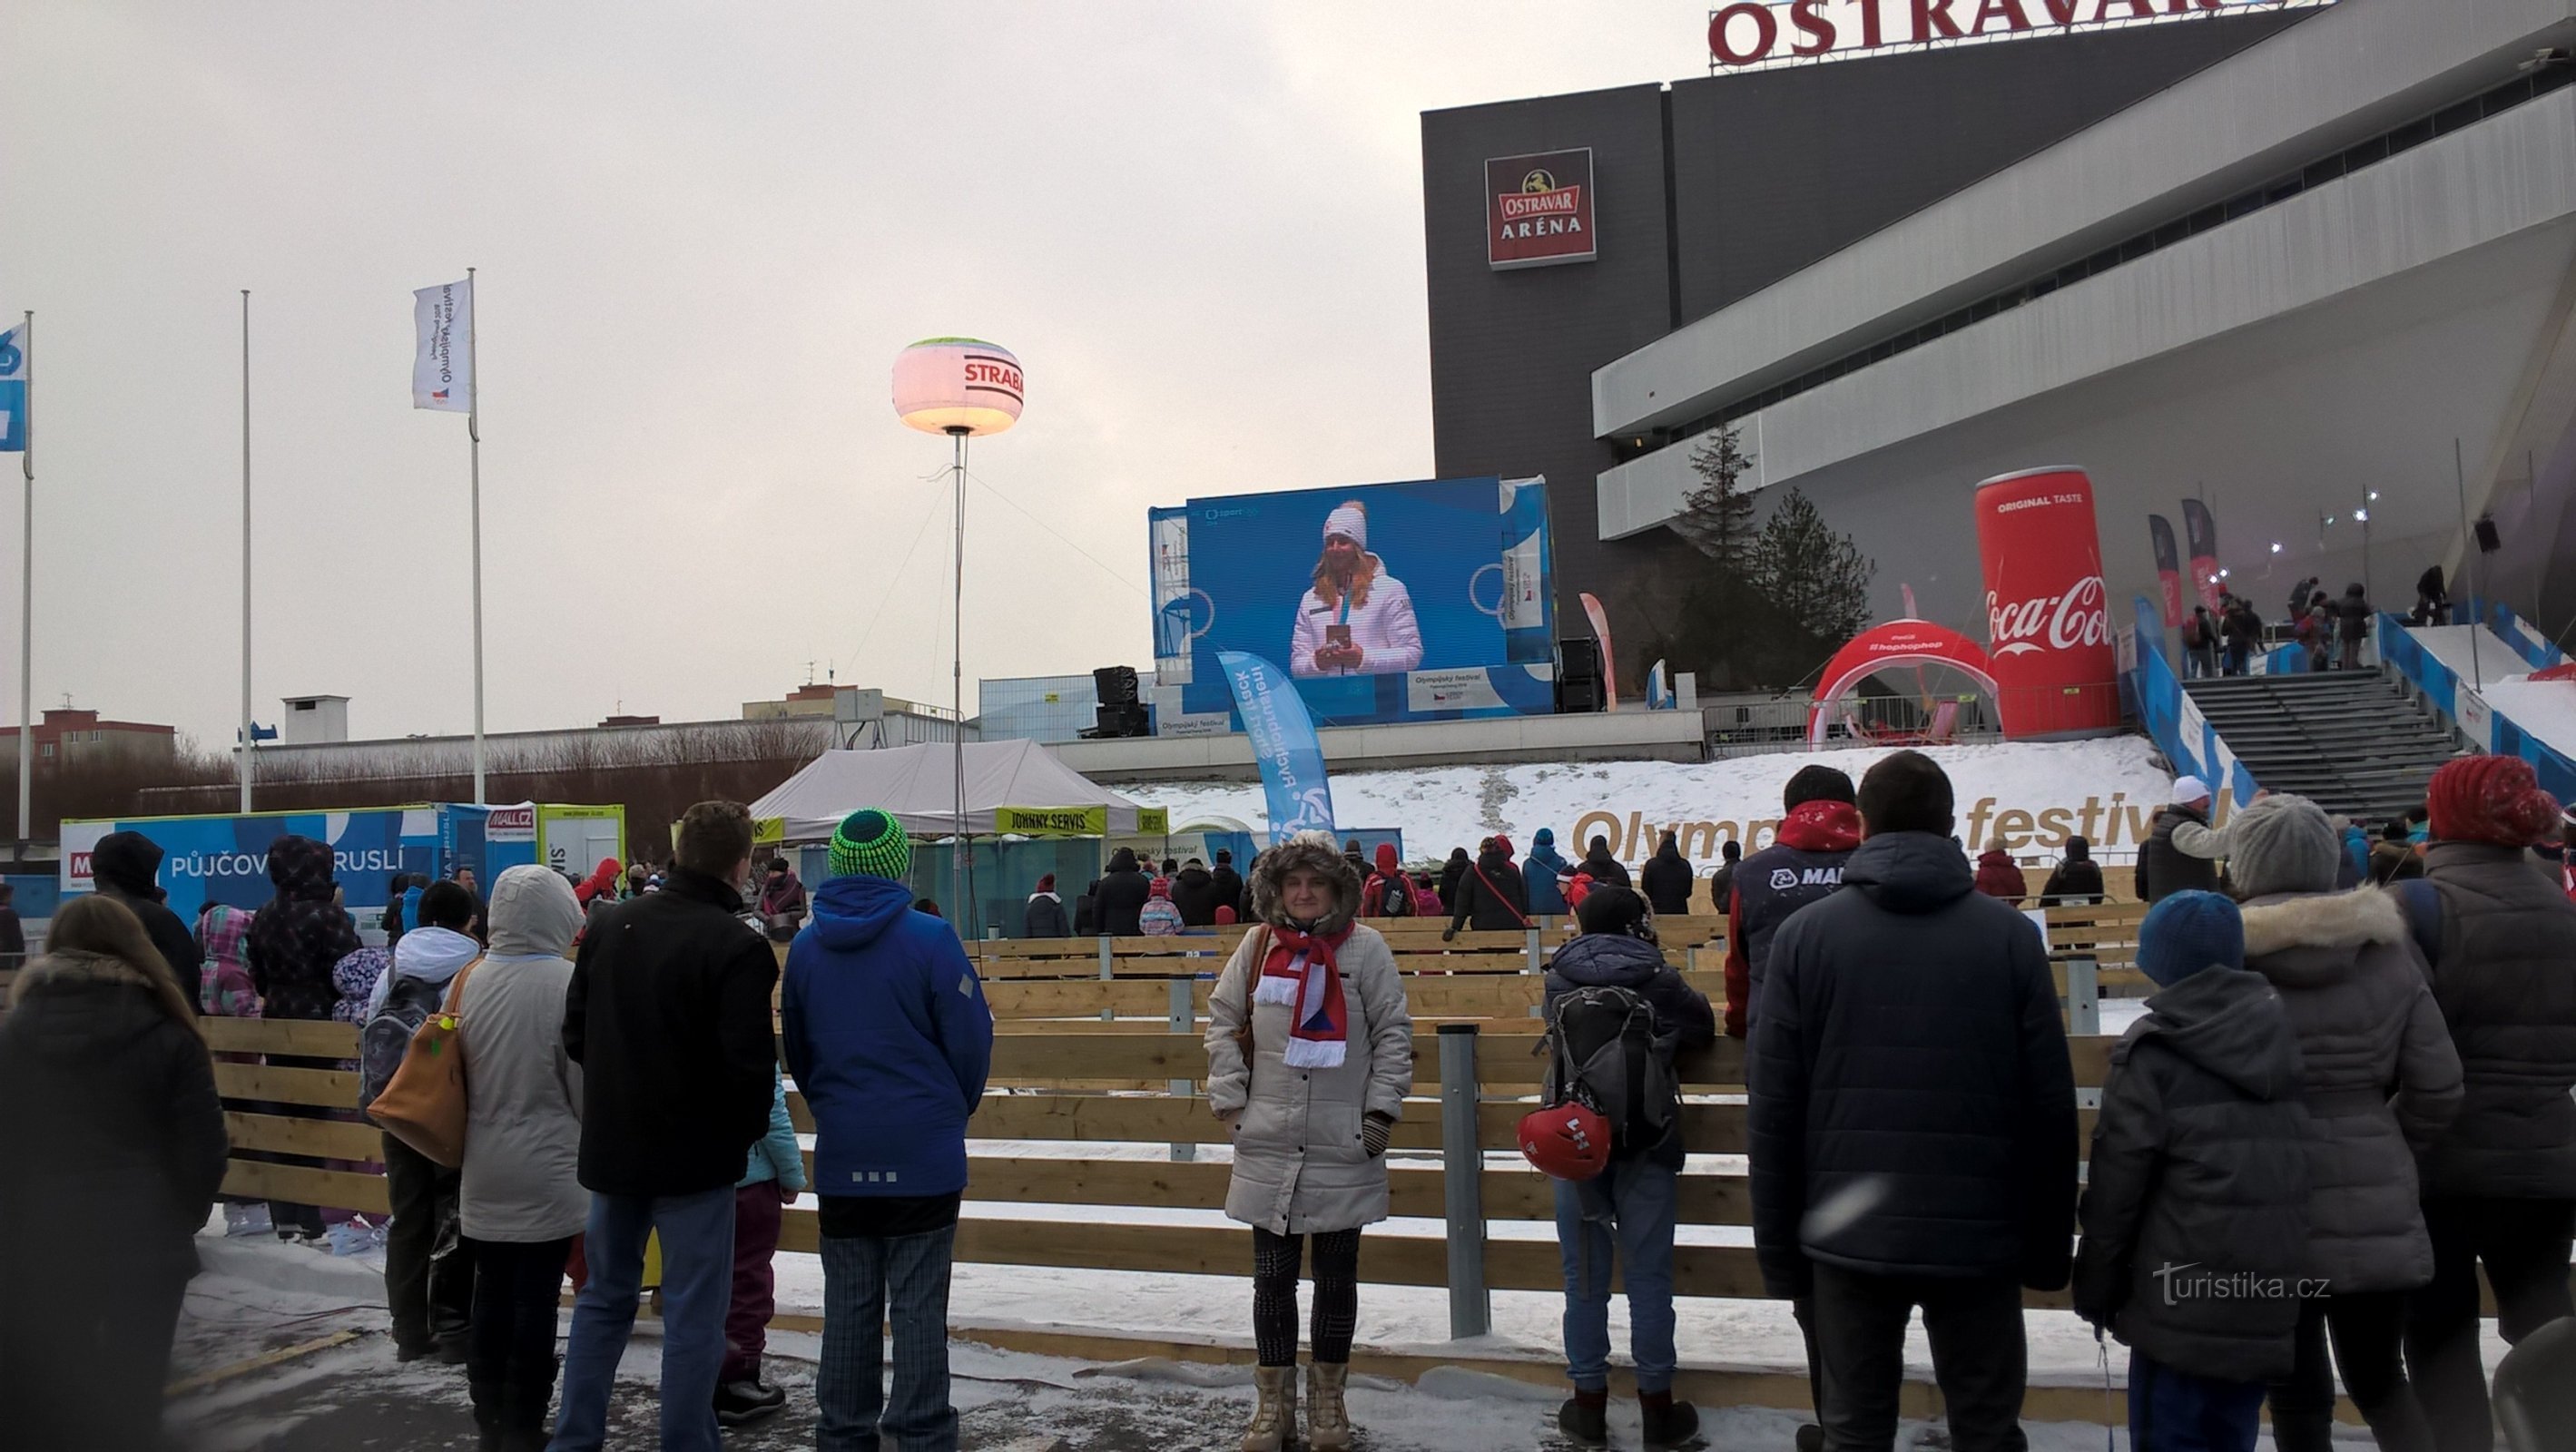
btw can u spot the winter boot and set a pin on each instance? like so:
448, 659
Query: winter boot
1585, 1418
1811, 1438
1328, 1421
1669, 1424
1274, 1419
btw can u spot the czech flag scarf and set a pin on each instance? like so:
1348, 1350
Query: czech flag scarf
1301, 972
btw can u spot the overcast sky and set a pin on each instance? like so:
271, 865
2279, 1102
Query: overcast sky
703, 233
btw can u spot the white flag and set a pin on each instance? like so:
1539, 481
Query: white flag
442, 373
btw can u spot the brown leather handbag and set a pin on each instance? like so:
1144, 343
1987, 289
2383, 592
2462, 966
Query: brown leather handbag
424, 1103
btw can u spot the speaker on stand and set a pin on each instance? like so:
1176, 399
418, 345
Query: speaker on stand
1579, 687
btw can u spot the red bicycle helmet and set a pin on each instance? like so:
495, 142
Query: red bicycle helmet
1568, 1142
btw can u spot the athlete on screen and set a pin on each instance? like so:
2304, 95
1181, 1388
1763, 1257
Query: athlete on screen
1357, 620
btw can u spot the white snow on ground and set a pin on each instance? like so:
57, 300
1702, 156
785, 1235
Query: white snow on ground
1443, 807
2475, 652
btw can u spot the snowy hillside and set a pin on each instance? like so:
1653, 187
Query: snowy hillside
2026, 796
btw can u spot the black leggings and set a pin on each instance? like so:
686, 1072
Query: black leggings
1274, 1294
510, 1355
2369, 1329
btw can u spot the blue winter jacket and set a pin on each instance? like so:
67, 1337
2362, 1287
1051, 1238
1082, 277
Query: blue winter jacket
776, 1155
888, 1035
1539, 871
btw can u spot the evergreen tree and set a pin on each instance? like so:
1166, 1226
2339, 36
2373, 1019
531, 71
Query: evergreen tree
1816, 579
1717, 518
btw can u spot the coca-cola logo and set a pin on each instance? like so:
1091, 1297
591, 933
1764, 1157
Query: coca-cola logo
2076, 618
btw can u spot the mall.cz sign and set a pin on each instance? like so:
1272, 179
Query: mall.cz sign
1538, 209
1750, 33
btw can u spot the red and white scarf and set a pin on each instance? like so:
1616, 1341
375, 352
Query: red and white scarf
1301, 972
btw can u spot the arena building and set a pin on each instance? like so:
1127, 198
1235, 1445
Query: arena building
2313, 267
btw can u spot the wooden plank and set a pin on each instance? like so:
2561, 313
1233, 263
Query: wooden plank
1074, 998
325, 1139
328, 1088
298, 1037
296, 1185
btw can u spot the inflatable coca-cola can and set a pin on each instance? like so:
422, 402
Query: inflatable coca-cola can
2048, 617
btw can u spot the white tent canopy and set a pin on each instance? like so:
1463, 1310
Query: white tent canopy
917, 784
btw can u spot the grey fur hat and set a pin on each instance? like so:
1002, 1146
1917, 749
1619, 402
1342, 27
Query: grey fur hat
1318, 852
2281, 844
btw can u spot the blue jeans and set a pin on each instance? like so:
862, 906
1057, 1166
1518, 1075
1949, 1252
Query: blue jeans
1637, 1199
867, 1282
697, 1286
2175, 1411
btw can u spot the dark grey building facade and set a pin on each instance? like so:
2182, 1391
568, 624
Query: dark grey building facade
1706, 191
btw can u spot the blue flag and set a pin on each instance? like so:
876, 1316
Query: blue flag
1283, 741
13, 391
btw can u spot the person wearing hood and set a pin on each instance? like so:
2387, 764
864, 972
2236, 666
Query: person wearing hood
1491, 896
1119, 897
1542, 872
782, 901
1803, 864
1452, 872
1667, 879
1631, 1204
2167, 861
2076, 881
1310, 1055
1721, 883
1386, 893
2198, 1161
1225, 886
429, 1278
520, 1204
1160, 917
886, 1031
1043, 917
1194, 893
2500, 1184
293, 945
114, 1142
2381, 1081
126, 867
2355, 611
1604, 867
668, 1013
1912, 1122
1999, 876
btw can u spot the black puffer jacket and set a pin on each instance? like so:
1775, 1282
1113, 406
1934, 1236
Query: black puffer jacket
1194, 893
114, 1140
1910, 1078
1119, 896
1491, 897
2198, 1162
1225, 889
1451, 872
2506, 984
1668, 880
668, 1014
1601, 960
2163, 868
127, 867
301, 935
1604, 867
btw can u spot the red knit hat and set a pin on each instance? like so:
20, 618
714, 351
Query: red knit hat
2493, 799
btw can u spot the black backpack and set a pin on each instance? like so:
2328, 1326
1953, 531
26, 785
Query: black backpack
387, 1036
1606, 1053
1395, 897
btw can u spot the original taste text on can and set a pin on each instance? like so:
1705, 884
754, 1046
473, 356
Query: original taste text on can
2048, 618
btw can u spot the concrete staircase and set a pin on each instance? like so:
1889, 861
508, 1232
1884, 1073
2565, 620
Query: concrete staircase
2351, 741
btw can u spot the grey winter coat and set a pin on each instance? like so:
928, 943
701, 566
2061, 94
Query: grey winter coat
2506, 984
522, 1091
2377, 1071
2164, 868
1299, 1164
2199, 1177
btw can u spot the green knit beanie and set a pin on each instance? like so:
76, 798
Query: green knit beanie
869, 841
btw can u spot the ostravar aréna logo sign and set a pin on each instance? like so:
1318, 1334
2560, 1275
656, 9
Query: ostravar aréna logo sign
1538, 209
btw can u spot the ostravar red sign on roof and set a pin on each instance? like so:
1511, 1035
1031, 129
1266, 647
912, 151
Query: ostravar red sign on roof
1538, 209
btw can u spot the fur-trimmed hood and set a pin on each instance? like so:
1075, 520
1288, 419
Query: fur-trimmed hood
2331, 927
73, 966
1319, 852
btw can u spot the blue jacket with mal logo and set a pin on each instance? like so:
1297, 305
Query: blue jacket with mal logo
887, 1033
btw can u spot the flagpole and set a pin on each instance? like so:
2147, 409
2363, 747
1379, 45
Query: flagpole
27, 587
248, 738
474, 437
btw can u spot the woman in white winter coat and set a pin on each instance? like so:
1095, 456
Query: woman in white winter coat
1310, 1054
520, 1204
